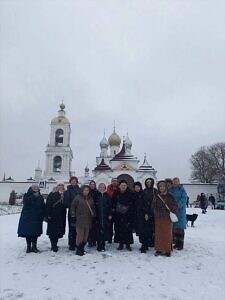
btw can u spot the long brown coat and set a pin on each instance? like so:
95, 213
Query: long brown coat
159, 208
81, 211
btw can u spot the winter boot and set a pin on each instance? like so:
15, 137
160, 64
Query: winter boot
143, 248
167, 254
34, 247
157, 253
79, 250
28, 246
128, 247
120, 247
180, 245
54, 245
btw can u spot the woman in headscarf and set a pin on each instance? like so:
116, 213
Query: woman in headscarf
149, 193
92, 232
31, 219
103, 209
143, 224
56, 216
123, 206
162, 204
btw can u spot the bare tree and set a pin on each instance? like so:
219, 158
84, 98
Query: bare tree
208, 163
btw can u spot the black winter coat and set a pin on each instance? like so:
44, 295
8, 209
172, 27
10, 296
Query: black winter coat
103, 208
32, 215
124, 223
144, 228
56, 215
148, 196
70, 194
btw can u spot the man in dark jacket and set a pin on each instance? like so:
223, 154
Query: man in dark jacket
124, 212
149, 193
72, 191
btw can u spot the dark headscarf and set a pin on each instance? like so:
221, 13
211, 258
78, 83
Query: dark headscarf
152, 183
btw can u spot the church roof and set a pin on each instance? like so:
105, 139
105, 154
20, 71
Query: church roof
145, 166
122, 155
102, 166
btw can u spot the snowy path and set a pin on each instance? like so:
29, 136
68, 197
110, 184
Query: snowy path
197, 272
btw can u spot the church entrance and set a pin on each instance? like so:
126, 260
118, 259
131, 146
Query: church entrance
129, 180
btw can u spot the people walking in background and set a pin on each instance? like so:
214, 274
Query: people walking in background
187, 202
143, 212
212, 200
179, 193
203, 203
82, 214
162, 204
103, 210
72, 191
123, 207
31, 219
56, 216
111, 190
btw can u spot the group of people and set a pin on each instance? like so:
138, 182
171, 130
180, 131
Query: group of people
106, 214
204, 202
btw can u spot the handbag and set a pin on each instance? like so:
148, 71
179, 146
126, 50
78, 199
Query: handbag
121, 209
173, 216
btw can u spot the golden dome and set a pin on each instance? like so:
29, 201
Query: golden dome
60, 120
114, 139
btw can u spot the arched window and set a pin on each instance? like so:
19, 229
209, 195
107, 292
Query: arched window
57, 164
59, 137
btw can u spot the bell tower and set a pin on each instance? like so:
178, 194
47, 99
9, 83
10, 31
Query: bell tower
59, 155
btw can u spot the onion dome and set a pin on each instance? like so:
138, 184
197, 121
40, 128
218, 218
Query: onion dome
114, 139
128, 142
86, 169
61, 119
104, 143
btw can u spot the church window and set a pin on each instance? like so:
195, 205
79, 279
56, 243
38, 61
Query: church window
57, 164
59, 137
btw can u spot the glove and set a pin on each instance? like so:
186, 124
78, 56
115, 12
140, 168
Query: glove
146, 217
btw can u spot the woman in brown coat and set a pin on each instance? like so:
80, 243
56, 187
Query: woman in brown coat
82, 213
163, 223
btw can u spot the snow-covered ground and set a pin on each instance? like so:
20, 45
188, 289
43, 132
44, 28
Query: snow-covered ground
6, 209
197, 272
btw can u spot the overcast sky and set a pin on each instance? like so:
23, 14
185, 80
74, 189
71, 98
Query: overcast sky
156, 67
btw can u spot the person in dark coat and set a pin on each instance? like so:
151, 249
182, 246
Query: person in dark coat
111, 190
203, 203
56, 216
31, 219
72, 191
123, 207
212, 200
149, 192
143, 224
92, 232
82, 214
103, 208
